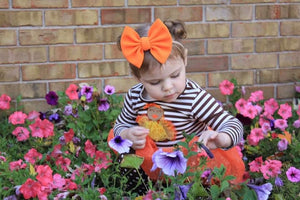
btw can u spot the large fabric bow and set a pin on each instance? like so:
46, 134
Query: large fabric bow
159, 42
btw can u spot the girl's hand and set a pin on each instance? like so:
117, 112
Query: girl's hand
213, 139
137, 135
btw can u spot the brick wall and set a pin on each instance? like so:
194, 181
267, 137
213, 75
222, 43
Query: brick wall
47, 44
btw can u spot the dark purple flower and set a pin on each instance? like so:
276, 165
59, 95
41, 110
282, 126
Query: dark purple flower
54, 117
87, 91
278, 182
62, 140
103, 105
293, 174
120, 145
169, 162
245, 120
52, 98
42, 115
262, 191
76, 140
109, 90
181, 191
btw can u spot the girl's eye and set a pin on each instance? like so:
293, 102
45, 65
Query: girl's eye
154, 83
175, 76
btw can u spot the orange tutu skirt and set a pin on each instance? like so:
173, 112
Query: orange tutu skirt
230, 159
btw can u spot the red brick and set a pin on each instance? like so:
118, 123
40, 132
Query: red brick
228, 13
102, 69
23, 55
200, 78
37, 105
26, 90
75, 52
225, 46
97, 3
207, 30
9, 73
200, 2
40, 4
20, 18
95, 35
254, 61
289, 59
71, 17
290, 28
277, 44
277, 11
207, 63
48, 72
185, 14
8, 37
251, 1
285, 91
112, 52
46, 36
195, 47
242, 77
278, 76
257, 29
126, 16
4, 3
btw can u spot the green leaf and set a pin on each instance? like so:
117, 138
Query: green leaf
198, 190
132, 161
224, 185
215, 191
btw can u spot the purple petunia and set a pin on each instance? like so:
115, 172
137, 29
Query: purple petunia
278, 182
181, 191
103, 105
87, 91
54, 117
109, 90
282, 145
169, 162
293, 174
262, 191
52, 98
120, 145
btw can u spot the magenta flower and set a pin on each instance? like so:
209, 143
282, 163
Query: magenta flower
120, 145
271, 106
32, 156
241, 104
255, 136
5, 102
285, 111
293, 174
109, 90
249, 111
256, 164
271, 168
169, 162
17, 117
282, 145
52, 98
226, 87
103, 105
256, 96
87, 91
296, 123
262, 191
21, 133
281, 124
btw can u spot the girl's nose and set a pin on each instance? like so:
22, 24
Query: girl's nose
167, 86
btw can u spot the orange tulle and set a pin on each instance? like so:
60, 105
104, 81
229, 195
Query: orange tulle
229, 158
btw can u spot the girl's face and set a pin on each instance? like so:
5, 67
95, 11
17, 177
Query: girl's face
166, 82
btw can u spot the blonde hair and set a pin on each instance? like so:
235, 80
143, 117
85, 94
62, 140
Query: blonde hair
178, 32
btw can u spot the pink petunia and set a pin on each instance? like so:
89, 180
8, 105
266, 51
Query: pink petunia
296, 123
249, 111
16, 165
72, 92
42, 128
89, 148
17, 117
256, 96
69, 135
58, 181
266, 127
5, 102
271, 106
30, 188
32, 155
282, 145
21, 133
271, 168
63, 163
44, 174
256, 164
281, 124
241, 104
255, 136
226, 87
33, 115
285, 111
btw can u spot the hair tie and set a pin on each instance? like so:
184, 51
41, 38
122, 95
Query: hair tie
158, 41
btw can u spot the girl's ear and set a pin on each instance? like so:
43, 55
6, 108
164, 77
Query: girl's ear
185, 56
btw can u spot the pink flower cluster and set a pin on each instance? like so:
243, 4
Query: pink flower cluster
269, 168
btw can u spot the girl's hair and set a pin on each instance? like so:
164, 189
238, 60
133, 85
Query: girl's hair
178, 32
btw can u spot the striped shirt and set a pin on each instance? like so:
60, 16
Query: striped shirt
192, 112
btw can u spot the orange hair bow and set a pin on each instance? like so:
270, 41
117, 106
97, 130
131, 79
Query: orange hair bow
159, 42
